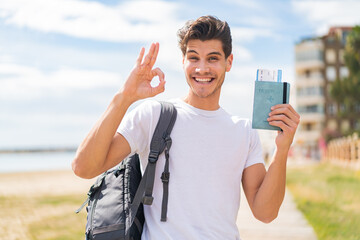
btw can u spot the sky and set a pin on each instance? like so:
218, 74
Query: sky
62, 61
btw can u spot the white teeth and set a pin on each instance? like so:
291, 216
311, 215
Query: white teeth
203, 79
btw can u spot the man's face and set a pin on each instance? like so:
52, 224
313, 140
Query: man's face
205, 66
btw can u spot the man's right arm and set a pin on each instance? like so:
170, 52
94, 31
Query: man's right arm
103, 147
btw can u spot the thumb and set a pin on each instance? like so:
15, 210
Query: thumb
161, 86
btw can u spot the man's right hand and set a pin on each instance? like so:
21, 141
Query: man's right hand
103, 147
138, 84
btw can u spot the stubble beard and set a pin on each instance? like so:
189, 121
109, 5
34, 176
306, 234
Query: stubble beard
202, 94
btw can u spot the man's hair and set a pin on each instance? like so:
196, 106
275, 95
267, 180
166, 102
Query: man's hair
206, 28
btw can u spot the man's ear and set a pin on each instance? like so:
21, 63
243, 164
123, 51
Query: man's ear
229, 62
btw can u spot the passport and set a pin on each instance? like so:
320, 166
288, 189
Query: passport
266, 95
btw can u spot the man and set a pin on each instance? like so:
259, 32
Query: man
212, 153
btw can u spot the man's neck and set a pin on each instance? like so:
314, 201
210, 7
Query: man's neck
210, 103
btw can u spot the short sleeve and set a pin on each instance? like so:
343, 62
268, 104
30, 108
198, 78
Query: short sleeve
255, 150
137, 126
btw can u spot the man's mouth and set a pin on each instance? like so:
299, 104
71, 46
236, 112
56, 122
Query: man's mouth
203, 79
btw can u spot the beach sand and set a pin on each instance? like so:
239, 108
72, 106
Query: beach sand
62, 182
19, 191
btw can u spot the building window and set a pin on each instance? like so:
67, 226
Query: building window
331, 73
344, 36
357, 124
312, 55
342, 107
344, 72
316, 74
330, 39
310, 91
341, 55
311, 109
357, 108
331, 109
330, 56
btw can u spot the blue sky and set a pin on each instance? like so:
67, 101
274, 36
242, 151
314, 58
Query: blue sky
61, 61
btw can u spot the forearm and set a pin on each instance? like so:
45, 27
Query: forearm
271, 193
92, 152
266, 190
102, 149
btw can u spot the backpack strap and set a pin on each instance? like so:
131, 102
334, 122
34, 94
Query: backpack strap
165, 176
160, 141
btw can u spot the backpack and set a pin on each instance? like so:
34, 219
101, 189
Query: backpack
115, 201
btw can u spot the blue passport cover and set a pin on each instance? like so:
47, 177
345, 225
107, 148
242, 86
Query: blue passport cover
266, 95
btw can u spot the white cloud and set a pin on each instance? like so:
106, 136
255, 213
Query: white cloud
241, 53
129, 21
244, 34
324, 14
22, 82
254, 5
258, 14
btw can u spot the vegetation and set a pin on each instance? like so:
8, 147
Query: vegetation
329, 197
346, 91
42, 217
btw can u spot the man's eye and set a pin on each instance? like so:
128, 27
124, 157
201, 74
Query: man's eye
213, 58
193, 58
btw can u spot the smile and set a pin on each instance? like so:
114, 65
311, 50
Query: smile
197, 79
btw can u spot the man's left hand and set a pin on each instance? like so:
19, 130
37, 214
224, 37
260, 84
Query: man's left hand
285, 117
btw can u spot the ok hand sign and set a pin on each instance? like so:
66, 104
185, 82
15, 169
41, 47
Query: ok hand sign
138, 84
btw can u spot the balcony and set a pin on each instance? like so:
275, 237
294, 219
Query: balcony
312, 118
309, 45
307, 100
308, 136
312, 81
314, 64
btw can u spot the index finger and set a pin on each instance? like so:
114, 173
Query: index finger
154, 55
140, 57
149, 55
284, 106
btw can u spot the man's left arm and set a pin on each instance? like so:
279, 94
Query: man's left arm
265, 190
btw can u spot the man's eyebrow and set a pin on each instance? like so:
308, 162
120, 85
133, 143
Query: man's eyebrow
211, 53
215, 53
191, 51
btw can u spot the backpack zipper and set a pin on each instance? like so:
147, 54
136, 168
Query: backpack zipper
92, 212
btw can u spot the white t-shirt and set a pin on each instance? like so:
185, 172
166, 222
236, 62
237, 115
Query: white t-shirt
209, 152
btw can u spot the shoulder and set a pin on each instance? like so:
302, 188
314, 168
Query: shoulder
245, 125
241, 122
147, 107
148, 104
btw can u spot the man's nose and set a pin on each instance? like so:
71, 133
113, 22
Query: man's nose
202, 67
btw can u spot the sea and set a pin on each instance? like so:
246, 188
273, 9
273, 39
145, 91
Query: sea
35, 161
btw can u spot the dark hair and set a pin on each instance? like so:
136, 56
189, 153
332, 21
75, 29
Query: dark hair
206, 28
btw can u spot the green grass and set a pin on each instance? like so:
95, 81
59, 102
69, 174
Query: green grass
329, 197
44, 217
60, 227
